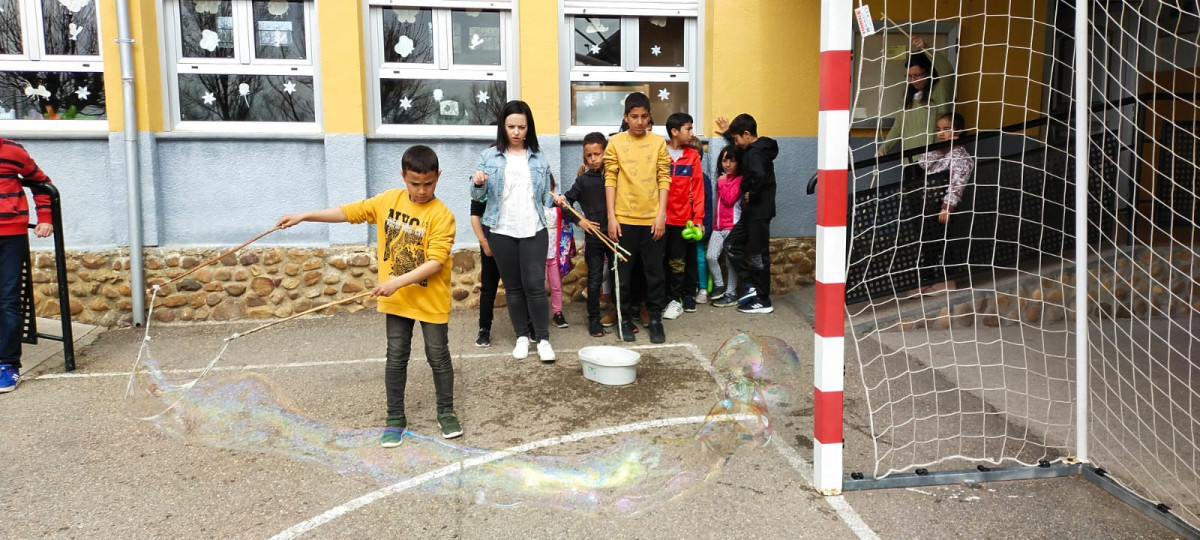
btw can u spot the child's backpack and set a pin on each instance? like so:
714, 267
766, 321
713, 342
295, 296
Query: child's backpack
566, 246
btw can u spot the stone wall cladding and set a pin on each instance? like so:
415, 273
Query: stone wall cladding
279, 282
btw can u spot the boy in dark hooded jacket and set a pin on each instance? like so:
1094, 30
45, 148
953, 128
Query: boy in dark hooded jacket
750, 239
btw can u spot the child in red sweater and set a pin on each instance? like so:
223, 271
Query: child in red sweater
685, 203
16, 166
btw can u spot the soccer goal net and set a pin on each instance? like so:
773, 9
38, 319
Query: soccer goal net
961, 263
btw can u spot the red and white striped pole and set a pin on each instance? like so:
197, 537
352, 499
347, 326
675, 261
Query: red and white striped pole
833, 151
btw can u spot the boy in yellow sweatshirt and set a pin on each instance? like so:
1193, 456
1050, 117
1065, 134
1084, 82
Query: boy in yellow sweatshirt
637, 178
416, 232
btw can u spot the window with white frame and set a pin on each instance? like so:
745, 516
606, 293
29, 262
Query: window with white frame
242, 61
50, 65
440, 63
614, 54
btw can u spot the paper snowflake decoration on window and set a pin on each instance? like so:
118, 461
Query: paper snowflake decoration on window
406, 15
404, 46
595, 49
663, 94
438, 94
656, 50
289, 87
482, 97
589, 100
405, 103
209, 98
83, 93
475, 41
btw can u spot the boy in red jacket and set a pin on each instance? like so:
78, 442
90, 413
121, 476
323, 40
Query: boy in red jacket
685, 202
15, 166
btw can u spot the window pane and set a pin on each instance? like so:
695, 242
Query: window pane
206, 28
70, 27
603, 103
408, 35
425, 101
597, 41
661, 42
51, 95
476, 37
251, 98
10, 27
279, 29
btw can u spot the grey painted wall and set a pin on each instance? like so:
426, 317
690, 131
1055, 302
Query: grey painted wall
220, 190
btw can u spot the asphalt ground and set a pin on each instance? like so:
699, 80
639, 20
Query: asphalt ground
74, 465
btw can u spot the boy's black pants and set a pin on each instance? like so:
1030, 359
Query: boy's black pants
596, 255
640, 243
750, 254
682, 267
489, 283
14, 253
437, 353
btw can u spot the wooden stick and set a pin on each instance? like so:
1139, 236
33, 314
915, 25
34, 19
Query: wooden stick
603, 238
893, 23
215, 259
301, 314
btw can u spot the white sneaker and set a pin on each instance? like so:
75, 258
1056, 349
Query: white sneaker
521, 351
545, 351
702, 298
673, 311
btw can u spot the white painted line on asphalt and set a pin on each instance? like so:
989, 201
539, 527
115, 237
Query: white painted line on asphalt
333, 513
839, 504
323, 363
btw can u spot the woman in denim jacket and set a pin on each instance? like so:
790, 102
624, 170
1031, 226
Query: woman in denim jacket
514, 178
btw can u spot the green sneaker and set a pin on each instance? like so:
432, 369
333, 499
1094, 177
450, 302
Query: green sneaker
450, 426
393, 434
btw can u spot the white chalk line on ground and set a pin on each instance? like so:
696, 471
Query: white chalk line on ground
333, 513
837, 503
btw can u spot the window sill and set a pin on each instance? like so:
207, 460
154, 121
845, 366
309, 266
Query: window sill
237, 136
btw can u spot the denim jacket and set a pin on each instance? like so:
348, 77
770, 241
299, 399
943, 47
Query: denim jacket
492, 162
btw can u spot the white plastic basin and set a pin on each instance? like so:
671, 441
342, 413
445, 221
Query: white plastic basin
605, 364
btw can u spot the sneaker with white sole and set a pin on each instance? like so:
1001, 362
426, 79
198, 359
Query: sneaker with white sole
450, 425
756, 305
702, 297
545, 351
9, 378
751, 292
673, 311
521, 351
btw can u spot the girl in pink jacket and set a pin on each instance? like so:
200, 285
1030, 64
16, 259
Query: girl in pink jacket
726, 212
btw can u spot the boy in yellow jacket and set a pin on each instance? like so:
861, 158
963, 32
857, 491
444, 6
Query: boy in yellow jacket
637, 178
416, 232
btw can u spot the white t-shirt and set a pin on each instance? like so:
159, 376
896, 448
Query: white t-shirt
517, 217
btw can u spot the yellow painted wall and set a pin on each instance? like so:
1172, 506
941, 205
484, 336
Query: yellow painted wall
762, 58
342, 66
1000, 66
538, 26
147, 74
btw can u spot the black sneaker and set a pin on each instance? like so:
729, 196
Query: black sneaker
559, 320
751, 292
595, 329
756, 305
716, 294
725, 300
689, 304
628, 331
484, 339
657, 334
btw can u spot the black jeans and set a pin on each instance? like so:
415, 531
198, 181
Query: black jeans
522, 265
489, 281
641, 245
682, 270
750, 254
437, 353
596, 255
14, 253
